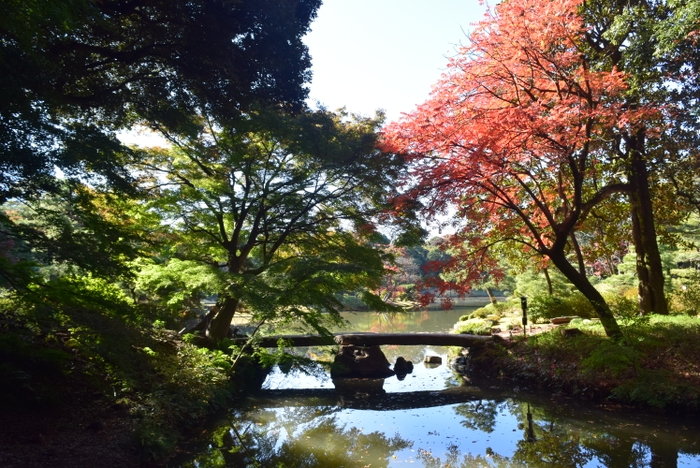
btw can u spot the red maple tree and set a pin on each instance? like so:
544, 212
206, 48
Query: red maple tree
514, 136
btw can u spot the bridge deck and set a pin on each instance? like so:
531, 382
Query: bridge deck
369, 339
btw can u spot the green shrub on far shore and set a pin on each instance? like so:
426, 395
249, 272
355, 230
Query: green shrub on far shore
498, 309
474, 326
543, 307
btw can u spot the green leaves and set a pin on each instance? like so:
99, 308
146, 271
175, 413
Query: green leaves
181, 283
282, 204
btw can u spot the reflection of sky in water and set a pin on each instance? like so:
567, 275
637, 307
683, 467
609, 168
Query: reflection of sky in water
434, 430
429, 429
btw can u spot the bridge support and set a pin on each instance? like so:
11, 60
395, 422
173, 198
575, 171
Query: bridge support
361, 362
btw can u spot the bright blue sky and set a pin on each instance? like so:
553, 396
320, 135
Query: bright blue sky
371, 54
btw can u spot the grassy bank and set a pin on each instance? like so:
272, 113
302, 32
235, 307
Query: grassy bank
657, 365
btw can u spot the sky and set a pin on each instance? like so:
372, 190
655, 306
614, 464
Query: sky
384, 54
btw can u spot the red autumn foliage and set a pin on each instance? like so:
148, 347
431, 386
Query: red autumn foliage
515, 137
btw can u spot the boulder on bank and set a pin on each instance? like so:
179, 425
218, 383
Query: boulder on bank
432, 361
570, 332
563, 320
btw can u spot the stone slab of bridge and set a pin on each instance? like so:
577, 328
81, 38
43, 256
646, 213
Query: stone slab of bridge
373, 339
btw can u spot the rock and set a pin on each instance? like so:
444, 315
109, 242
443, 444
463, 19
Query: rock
434, 360
570, 332
402, 367
360, 362
563, 320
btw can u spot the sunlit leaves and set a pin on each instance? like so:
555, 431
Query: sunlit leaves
283, 204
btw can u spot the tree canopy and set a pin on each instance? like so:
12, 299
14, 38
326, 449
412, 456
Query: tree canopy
74, 72
284, 198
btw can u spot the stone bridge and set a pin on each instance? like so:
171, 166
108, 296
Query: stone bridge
360, 355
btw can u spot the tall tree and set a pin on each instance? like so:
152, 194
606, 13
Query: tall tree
280, 205
515, 136
655, 43
621, 36
71, 73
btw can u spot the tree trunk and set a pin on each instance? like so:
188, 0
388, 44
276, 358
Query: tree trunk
581, 282
663, 456
220, 326
579, 255
550, 288
492, 298
644, 289
649, 266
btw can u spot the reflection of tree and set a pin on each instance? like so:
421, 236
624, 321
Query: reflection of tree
480, 415
312, 437
327, 445
310, 440
620, 443
663, 456
556, 442
555, 448
429, 461
623, 452
385, 322
544, 443
616, 452
490, 460
291, 418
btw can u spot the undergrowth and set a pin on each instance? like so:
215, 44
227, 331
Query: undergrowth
48, 353
656, 365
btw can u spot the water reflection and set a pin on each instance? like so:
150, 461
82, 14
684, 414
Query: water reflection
456, 426
423, 321
430, 419
297, 437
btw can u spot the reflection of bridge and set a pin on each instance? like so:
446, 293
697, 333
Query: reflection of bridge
371, 339
377, 400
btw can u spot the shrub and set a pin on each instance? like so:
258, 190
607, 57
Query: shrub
496, 310
474, 326
351, 302
545, 306
622, 305
685, 297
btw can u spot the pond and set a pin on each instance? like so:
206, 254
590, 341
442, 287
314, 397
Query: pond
432, 419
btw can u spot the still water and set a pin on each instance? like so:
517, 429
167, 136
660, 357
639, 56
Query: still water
432, 419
